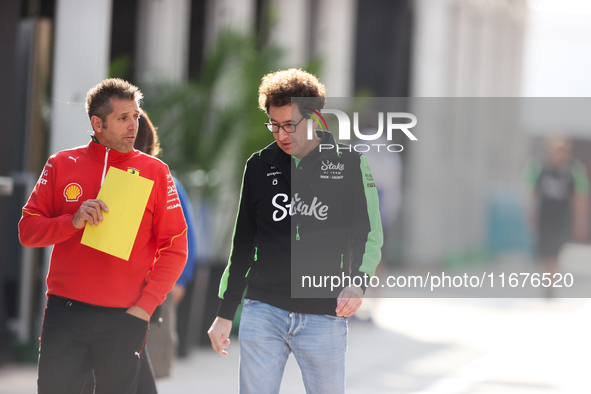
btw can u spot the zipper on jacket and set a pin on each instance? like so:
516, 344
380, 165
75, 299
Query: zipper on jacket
105, 167
341, 261
256, 249
297, 232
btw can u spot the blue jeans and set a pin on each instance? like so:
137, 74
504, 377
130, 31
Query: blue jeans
267, 336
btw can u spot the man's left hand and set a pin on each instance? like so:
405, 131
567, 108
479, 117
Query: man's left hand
139, 313
349, 301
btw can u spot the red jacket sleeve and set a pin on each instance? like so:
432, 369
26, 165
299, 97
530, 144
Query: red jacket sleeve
38, 226
170, 231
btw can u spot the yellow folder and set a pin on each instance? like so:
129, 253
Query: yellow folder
126, 195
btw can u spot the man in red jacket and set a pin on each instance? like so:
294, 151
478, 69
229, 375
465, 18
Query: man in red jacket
99, 305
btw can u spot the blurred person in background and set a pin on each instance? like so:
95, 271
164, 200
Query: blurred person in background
99, 306
560, 201
162, 337
344, 236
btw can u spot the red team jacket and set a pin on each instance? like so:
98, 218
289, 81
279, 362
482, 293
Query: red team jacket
85, 274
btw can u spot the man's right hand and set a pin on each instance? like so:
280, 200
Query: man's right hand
90, 211
219, 333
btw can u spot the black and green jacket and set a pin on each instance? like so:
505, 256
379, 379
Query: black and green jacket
318, 216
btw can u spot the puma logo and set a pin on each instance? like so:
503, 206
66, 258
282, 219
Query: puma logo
137, 354
75, 160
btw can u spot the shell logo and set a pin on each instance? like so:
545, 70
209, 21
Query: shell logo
72, 192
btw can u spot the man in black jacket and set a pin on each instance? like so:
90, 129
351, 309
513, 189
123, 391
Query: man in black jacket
308, 207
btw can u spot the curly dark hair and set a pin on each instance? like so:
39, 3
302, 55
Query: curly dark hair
98, 98
279, 87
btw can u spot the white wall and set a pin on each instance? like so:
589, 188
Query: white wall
558, 50
163, 39
292, 30
81, 59
220, 14
335, 35
461, 48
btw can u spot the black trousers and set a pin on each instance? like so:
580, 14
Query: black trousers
78, 337
146, 382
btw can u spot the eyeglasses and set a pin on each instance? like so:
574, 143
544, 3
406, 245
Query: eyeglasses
288, 128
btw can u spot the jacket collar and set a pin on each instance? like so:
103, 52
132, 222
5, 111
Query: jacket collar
99, 151
276, 156
326, 138
273, 153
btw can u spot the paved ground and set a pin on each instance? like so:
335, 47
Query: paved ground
473, 346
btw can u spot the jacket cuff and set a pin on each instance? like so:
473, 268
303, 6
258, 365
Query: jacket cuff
227, 309
148, 303
363, 281
67, 226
